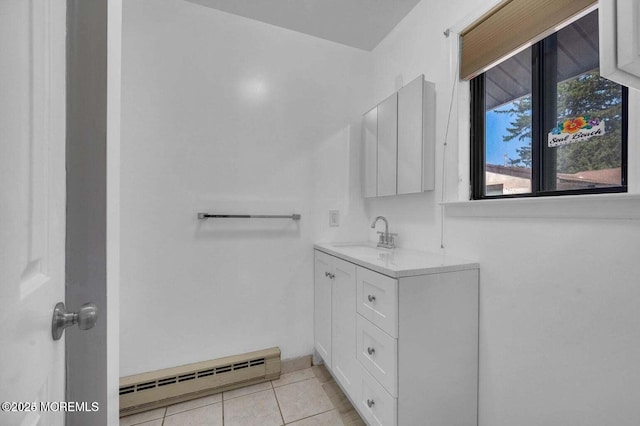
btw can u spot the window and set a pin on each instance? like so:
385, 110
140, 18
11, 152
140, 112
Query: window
545, 123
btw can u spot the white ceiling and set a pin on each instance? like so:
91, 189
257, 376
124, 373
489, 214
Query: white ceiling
358, 23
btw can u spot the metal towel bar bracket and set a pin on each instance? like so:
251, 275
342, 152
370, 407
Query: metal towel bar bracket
294, 216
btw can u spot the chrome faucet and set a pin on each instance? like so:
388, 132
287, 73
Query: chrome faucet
386, 239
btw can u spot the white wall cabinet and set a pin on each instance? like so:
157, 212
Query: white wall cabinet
403, 349
619, 29
416, 125
401, 128
370, 152
387, 146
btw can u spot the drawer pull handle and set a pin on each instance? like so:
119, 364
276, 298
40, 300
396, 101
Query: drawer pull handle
371, 298
330, 275
370, 403
371, 351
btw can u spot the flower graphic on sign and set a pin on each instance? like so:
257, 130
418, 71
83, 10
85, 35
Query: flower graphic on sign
572, 125
578, 129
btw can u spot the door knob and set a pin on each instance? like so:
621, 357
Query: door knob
86, 318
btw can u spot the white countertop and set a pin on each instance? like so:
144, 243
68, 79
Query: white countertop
396, 263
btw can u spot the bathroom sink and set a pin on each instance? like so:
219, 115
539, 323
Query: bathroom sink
366, 251
361, 249
397, 262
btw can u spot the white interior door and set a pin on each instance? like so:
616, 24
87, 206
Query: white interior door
32, 207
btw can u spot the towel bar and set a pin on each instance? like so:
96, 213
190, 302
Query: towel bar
294, 216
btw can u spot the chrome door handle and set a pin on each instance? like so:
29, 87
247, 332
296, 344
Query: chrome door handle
86, 318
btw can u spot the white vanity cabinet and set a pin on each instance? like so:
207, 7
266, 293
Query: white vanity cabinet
334, 317
398, 142
404, 343
619, 29
322, 296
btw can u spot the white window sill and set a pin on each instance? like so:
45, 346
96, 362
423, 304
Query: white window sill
599, 206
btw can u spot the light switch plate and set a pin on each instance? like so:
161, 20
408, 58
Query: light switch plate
334, 217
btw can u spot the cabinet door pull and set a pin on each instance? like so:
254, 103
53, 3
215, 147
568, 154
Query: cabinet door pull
371, 351
370, 403
371, 298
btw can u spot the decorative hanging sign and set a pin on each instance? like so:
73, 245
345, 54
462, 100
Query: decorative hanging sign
574, 130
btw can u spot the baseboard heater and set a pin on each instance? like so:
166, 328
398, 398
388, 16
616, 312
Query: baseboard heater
160, 388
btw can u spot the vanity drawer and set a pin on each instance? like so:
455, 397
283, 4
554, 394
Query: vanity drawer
378, 299
378, 354
377, 406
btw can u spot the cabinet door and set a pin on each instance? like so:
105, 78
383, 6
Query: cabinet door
619, 30
628, 36
410, 137
370, 149
322, 284
387, 145
416, 137
344, 362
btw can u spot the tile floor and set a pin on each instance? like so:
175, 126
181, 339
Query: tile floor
308, 397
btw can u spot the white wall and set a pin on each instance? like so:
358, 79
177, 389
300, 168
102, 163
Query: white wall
559, 336
559, 296
225, 114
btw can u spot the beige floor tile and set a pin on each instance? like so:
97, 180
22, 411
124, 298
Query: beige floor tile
194, 403
209, 415
352, 418
321, 373
296, 376
136, 419
302, 399
330, 418
246, 390
348, 414
256, 409
337, 397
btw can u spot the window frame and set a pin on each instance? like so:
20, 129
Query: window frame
540, 153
